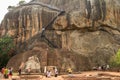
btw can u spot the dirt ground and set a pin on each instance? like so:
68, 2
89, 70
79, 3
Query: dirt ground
91, 75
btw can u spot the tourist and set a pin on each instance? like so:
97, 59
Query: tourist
99, 68
56, 72
49, 74
103, 67
10, 73
69, 71
1, 75
29, 70
2, 71
107, 67
6, 73
45, 71
19, 71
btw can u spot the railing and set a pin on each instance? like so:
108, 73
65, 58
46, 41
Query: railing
51, 22
45, 28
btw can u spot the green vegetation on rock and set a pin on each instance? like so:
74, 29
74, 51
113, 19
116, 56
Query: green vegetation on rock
115, 60
6, 47
21, 2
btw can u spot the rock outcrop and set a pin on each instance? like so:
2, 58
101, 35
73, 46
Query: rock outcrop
84, 30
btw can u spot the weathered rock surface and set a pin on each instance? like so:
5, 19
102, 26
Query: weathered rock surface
32, 63
89, 30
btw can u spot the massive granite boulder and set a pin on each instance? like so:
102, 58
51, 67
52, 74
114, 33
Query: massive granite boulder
86, 31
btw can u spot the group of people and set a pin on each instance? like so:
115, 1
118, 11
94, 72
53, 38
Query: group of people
6, 72
49, 73
54, 72
103, 67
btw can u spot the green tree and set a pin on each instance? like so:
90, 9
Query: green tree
6, 45
115, 60
21, 2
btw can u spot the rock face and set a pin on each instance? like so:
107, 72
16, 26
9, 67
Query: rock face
86, 31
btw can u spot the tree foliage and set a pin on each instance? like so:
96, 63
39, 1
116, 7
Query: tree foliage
21, 2
10, 8
115, 60
6, 45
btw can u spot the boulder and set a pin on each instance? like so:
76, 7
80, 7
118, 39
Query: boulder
85, 32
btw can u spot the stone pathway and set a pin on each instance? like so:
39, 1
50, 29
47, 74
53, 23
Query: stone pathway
53, 78
87, 75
